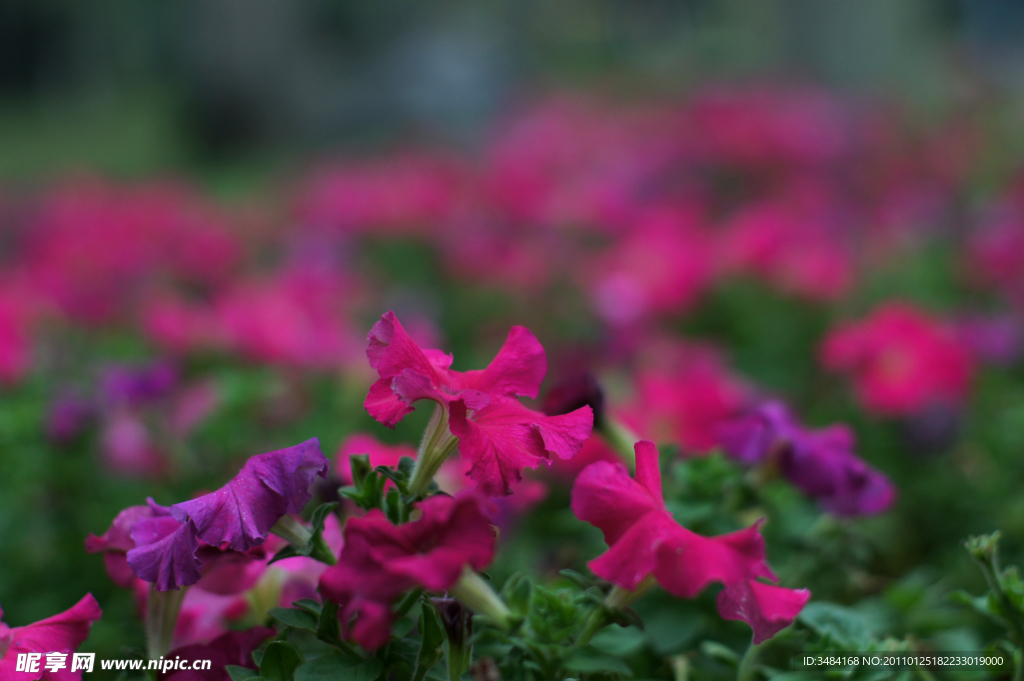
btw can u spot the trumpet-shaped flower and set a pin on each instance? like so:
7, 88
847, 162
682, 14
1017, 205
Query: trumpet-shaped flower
381, 560
213, 534
62, 633
496, 433
268, 487
644, 540
819, 462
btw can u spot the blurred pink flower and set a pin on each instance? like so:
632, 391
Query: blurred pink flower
900, 359
683, 398
661, 265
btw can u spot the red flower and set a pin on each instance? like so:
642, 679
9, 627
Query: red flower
644, 540
61, 633
496, 433
380, 561
901, 360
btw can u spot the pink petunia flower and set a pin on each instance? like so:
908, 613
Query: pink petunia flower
901, 360
62, 633
684, 399
644, 540
380, 561
495, 431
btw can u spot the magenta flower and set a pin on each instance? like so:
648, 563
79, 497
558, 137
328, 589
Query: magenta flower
684, 397
901, 360
62, 633
496, 433
380, 454
380, 561
645, 541
819, 462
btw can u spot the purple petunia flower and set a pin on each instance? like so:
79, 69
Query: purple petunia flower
160, 543
819, 462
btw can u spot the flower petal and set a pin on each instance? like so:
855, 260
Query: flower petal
165, 553
518, 368
269, 486
505, 437
767, 609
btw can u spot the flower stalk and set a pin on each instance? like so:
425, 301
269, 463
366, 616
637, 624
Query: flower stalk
620, 438
476, 594
436, 446
162, 619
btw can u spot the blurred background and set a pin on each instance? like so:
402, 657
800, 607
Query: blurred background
204, 206
229, 88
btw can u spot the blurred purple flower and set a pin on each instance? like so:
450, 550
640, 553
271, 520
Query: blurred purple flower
994, 340
819, 462
122, 385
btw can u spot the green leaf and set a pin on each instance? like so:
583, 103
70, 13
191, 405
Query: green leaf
289, 551
280, 660
719, 652
431, 646
320, 514
310, 606
328, 629
844, 626
590, 659
337, 667
300, 619
241, 673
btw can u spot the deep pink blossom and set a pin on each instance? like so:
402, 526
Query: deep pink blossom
296, 317
797, 249
496, 432
408, 194
644, 540
62, 633
819, 462
900, 359
662, 265
684, 398
380, 561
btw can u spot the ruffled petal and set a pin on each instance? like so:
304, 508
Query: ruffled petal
505, 437
688, 562
767, 609
633, 555
165, 553
269, 486
518, 368
606, 497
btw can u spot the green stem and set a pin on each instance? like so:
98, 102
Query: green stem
161, 619
748, 663
1018, 665
621, 439
410, 600
294, 532
436, 446
477, 595
321, 551
596, 622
